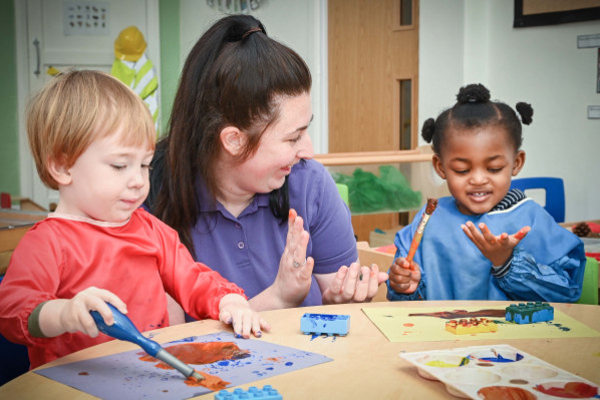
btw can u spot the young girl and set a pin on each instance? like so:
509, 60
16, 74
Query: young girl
486, 241
93, 139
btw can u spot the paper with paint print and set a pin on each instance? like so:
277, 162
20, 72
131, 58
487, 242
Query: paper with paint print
499, 371
135, 375
402, 324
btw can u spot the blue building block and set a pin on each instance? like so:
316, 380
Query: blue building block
254, 393
529, 313
329, 324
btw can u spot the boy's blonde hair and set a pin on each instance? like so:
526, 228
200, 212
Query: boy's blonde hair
77, 107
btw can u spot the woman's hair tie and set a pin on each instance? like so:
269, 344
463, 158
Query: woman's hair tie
251, 31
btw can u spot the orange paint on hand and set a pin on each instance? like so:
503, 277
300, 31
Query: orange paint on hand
211, 382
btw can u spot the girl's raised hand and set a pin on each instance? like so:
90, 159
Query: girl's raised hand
497, 249
404, 276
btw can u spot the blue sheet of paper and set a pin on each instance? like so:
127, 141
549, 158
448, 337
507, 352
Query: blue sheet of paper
125, 376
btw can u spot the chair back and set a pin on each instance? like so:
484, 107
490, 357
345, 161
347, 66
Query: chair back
555, 193
343, 190
589, 289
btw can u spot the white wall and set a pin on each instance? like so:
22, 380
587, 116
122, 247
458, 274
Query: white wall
466, 41
297, 24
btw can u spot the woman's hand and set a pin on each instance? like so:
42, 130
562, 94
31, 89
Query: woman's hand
404, 276
73, 315
497, 249
294, 276
235, 310
351, 284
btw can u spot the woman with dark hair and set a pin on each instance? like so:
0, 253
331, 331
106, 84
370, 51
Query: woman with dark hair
235, 176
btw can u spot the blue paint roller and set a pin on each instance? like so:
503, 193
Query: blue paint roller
123, 329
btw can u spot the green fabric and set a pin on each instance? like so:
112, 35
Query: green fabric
370, 193
589, 291
33, 322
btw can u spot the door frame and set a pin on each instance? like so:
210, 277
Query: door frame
27, 168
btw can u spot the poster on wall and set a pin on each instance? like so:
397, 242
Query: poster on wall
89, 18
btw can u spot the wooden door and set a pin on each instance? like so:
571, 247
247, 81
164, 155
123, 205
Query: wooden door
373, 83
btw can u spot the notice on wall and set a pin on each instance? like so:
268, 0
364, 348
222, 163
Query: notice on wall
90, 18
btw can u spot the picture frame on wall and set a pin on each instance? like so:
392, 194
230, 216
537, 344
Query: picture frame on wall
551, 12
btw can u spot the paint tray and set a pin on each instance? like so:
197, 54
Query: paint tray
498, 372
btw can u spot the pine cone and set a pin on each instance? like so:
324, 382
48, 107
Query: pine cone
582, 229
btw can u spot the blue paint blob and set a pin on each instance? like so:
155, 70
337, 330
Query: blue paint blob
289, 364
269, 368
223, 363
314, 335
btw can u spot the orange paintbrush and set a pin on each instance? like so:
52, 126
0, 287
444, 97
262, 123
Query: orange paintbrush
431, 205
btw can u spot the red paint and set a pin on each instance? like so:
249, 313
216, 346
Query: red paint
505, 393
408, 324
83, 373
276, 359
572, 390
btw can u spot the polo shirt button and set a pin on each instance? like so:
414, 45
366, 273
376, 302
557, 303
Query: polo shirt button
241, 245
238, 226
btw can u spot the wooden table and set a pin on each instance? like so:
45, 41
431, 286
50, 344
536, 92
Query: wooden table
366, 365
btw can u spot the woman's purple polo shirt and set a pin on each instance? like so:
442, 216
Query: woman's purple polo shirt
246, 250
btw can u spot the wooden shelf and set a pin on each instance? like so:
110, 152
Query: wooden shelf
373, 157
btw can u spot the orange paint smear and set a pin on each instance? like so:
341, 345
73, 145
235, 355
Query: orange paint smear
276, 359
211, 382
201, 353
408, 324
572, 390
505, 393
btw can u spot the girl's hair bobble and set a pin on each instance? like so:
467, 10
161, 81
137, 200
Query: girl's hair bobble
474, 93
428, 130
525, 111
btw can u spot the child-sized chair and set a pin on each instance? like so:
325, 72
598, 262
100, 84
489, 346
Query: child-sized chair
555, 193
589, 290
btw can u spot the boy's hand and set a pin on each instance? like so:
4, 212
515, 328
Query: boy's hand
235, 310
497, 249
73, 315
404, 276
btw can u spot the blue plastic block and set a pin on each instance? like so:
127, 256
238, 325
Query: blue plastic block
254, 393
529, 313
329, 324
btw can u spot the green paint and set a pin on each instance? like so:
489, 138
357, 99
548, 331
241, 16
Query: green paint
9, 133
443, 364
170, 67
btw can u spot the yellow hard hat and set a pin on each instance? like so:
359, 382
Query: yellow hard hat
130, 44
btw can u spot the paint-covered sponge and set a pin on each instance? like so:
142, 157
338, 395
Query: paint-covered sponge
328, 324
254, 393
529, 313
471, 325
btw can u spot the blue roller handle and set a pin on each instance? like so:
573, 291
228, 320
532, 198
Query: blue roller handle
124, 329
